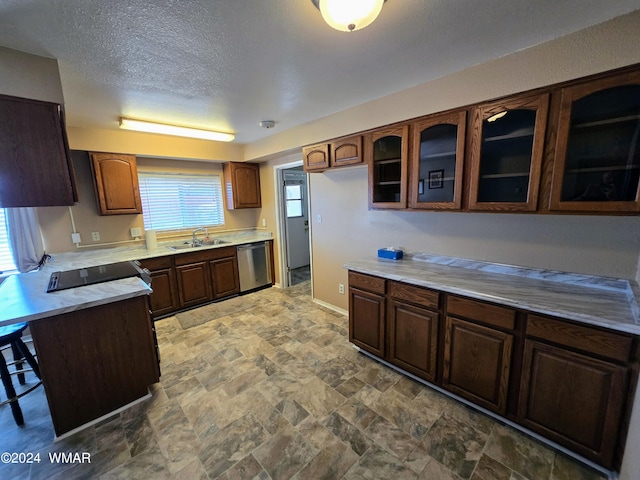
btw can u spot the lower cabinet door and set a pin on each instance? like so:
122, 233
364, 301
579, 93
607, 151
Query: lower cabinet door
413, 339
575, 400
366, 321
163, 298
224, 277
194, 286
477, 362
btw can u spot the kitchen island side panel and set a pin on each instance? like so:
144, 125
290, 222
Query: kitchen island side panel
95, 360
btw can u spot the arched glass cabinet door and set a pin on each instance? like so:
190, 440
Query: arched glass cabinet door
507, 148
597, 163
388, 168
437, 162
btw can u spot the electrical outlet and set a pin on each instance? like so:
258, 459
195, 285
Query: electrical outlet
95, 236
136, 232
341, 288
75, 238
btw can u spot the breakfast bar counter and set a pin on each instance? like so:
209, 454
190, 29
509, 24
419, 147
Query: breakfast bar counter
95, 344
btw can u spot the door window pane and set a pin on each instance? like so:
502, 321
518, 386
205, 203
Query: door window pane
293, 195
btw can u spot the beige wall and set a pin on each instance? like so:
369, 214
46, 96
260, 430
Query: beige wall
55, 222
598, 245
152, 145
29, 76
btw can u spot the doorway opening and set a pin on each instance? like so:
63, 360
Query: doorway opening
293, 223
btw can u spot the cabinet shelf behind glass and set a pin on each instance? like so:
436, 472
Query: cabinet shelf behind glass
602, 149
388, 168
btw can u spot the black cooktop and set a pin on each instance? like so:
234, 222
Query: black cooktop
91, 275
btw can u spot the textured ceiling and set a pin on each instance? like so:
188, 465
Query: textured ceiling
228, 64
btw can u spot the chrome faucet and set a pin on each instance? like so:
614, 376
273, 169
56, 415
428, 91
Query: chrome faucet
194, 239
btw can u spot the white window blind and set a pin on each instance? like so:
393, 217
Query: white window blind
175, 201
6, 259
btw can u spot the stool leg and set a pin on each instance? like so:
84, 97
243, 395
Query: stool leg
11, 393
17, 356
28, 357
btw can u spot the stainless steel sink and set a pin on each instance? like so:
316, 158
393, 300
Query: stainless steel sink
182, 246
214, 241
207, 243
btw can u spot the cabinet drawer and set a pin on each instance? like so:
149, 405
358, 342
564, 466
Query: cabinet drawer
367, 282
491, 314
221, 252
204, 255
417, 295
157, 263
192, 257
607, 344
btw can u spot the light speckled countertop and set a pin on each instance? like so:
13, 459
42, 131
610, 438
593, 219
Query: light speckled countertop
601, 301
24, 298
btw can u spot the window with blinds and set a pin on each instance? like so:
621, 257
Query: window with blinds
174, 201
6, 259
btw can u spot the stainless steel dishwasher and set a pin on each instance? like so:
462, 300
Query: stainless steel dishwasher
254, 266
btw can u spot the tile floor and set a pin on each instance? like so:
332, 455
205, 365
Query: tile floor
277, 392
300, 275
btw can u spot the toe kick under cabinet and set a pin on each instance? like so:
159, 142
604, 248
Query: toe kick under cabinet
569, 382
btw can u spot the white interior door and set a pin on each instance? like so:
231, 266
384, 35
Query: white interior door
297, 218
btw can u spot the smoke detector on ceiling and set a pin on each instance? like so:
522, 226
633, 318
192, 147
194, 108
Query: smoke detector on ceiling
267, 124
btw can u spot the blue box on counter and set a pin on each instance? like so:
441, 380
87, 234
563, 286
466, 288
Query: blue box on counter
391, 254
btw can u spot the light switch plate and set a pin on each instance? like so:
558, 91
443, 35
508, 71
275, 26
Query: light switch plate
136, 232
75, 238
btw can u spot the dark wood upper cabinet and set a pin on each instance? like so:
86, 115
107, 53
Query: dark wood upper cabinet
337, 153
242, 185
388, 167
346, 151
507, 147
34, 155
597, 159
315, 158
115, 178
437, 162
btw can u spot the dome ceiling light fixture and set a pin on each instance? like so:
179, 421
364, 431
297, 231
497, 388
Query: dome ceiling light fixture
349, 15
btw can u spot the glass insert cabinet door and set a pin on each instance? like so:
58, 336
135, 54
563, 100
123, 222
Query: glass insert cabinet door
597, 163
437, 162
507, 147
388, 168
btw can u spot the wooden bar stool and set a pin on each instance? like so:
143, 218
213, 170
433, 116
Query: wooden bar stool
11, 336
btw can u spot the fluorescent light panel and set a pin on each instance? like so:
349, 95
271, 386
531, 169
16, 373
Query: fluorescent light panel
164, 129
